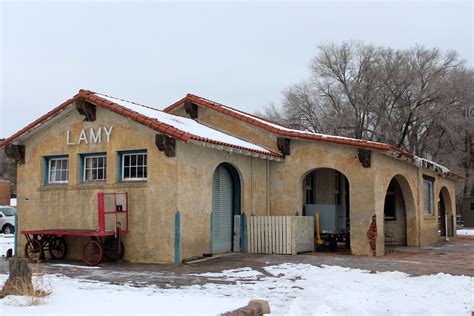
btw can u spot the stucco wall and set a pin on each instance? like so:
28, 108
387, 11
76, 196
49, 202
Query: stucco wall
74, 206
196, 168
181, 183
367, 188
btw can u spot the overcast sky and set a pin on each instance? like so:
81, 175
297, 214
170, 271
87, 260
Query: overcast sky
240, 54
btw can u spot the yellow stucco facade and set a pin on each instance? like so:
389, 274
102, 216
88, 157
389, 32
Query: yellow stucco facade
184, 183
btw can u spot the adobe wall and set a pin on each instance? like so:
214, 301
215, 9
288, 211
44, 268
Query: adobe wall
74, 206
196, 167
181, 183
367, 187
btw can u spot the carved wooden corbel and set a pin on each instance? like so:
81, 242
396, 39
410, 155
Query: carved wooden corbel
365, 157
87, 109
166, 144
16, 152
283, 145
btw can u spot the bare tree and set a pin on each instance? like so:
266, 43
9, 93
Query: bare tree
413, 98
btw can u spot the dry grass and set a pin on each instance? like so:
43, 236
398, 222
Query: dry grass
32, 294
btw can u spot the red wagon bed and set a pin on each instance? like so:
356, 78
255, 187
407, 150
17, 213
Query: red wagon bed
105, 240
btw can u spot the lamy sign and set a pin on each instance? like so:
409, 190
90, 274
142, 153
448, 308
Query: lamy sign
89, 136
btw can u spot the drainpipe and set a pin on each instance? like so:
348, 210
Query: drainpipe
268, 187
419, 212
251, 185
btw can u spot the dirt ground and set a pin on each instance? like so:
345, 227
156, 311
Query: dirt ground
455, 257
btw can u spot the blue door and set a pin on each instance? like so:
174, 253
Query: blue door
222, 211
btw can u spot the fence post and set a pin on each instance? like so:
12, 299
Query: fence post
243, 232
177, 238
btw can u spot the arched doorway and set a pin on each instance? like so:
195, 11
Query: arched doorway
395, 216
326, 193
445, 213
225, 204
400, 226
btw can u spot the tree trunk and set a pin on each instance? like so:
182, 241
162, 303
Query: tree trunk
19, 280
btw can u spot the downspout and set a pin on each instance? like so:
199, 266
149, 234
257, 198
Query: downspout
251, 186
268, 187
418, 210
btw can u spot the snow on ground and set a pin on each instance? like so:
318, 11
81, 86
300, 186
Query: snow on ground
465, 232
292, 289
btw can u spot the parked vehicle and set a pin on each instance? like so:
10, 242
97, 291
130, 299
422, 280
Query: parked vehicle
7, 219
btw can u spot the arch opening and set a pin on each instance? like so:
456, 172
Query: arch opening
226, 197
326, 197
400, 227
395, 217
445, 214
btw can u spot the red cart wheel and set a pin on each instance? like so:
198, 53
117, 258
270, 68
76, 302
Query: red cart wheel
92, 252
57, 248
33, 250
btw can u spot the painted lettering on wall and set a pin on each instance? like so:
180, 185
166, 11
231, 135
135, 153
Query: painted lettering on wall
89, 136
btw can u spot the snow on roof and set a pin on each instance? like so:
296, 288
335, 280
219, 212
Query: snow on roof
287, 129
185, 124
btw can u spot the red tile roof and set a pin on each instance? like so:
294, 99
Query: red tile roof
292, 133
152, 123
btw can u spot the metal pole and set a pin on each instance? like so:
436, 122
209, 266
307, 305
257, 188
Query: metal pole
15, 241
446, 238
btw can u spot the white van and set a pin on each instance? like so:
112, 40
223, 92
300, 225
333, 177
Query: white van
7, 219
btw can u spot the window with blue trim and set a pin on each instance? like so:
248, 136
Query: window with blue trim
56, 170
133, 166
428, 195
94, 167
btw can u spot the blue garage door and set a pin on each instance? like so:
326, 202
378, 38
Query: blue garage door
222, 212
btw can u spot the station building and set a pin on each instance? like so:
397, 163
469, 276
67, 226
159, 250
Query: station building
209, 162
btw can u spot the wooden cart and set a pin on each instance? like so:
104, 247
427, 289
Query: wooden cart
105, 241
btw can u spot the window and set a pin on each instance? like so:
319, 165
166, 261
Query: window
390, 203
308, 187
428, 195
94, 168
134, 166
57, 170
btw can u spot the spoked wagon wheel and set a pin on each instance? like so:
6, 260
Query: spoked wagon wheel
92, 252
112, 250
57, 248
33, 250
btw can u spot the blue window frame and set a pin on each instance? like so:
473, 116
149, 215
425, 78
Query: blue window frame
93, 167
56, 170
133, 165
428, 195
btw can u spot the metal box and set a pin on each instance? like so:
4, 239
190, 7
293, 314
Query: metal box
332, 218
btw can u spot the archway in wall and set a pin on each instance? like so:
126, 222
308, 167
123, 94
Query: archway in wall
399, 214
226, 191
326, 193
445, 213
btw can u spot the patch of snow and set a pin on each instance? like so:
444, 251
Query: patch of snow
185, 124
74, 266
293, 289
465, 232
287, 129
230, 275
425, 163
